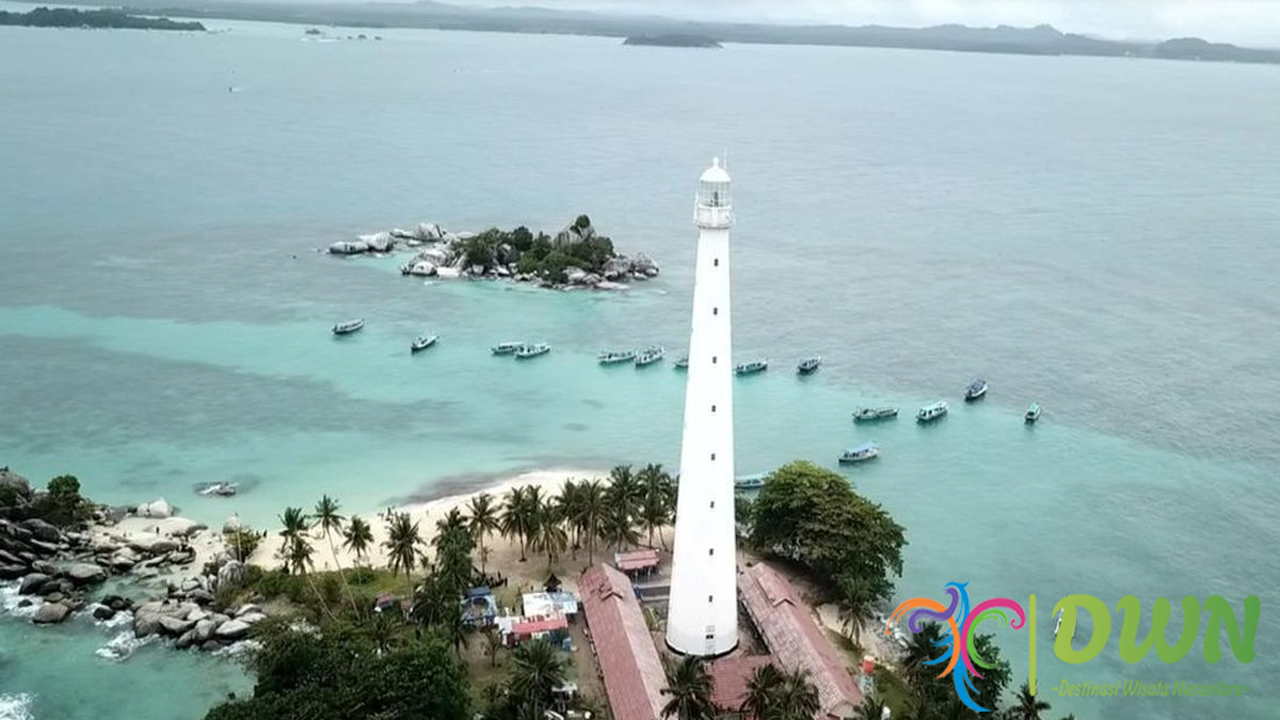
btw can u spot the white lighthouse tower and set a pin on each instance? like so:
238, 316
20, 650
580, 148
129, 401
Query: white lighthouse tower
702, 616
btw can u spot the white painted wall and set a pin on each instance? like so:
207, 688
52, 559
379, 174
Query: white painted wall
703, 612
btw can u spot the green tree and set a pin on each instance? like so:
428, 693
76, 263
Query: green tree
536, 670
1029, 706
343, 672
65, 504
296, 550
593, 510
552, 538
483, 521
762, 690
871, 709
810, 515
331, 522
521, 513
453, 544
856, 598
358, 537
403, 545
689, 690
657, 509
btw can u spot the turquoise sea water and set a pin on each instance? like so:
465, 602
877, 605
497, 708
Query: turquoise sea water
1094, 235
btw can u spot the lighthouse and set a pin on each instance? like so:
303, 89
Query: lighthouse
702, 615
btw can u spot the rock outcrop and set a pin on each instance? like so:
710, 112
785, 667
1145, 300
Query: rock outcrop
51, 613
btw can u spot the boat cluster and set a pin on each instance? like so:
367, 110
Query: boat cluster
640, 358
521, 350
420, 343
927, 414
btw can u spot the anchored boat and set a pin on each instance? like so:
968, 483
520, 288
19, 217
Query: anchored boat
976, 390
861, 453
751, 368
422, 343
650, 355
348, 327
1033, 413
808, 365
682, 363
506, 348
531, 351
872, 414
932, 412
750, 482
613, 357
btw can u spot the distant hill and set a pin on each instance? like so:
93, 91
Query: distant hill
1038, 40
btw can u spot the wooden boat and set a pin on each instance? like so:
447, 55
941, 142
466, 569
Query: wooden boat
682, 363
750, 482
613, 357
929, 413
532, 351
650, 355
861, 453
751, 368
422, 343
349, 326
808, 365
219, 489
867, 414
1033, 413
506, 348
976, 390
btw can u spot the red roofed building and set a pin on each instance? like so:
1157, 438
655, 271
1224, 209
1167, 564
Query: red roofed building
795, 640
637, 560
731, 674
629, 662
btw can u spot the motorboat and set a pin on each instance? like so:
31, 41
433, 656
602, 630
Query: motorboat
613, 357
976, 390
867, 414
861, 453
682, 363
506, 348
531, 351
751, 368
423, 342
932, 412
650, 355
348, 326
219, 489
750, 482
1033, 413
808, 365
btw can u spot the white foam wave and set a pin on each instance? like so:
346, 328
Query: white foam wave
9, 599
120, 618
16, 707
120, 647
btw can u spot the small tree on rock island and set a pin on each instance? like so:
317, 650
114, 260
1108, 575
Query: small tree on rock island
582, 223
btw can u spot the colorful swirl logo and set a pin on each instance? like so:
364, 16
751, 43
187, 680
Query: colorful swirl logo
960, 624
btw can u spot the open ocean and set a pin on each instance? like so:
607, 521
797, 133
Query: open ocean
1096, 235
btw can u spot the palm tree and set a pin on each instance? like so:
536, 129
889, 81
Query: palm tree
920, 650
567, 505
1029, 706
616, 527
358, 536
296, 550
330, 522
625, 489
871, 709
797, 697
762, 688
552, 538
689, 688
655, 508
453, 543
593, 509
536, 670
521, 514
402, 543
856, 598
482, 521
492, 645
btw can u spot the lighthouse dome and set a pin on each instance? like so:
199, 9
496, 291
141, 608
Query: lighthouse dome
715, 173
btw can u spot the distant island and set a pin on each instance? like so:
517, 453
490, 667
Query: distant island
1005, 39
64, 17
673, 40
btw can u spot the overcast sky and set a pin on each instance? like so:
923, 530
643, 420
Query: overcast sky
1254, 22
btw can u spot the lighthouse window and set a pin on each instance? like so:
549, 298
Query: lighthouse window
711, 598
712, 552
713, 504
713, 408
716, 262
711, 636
715, 311
713, 359
713, 456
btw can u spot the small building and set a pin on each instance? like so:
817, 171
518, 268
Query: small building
637, 562
551, 603
516, 629
479, 608
795, 640
629, 663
